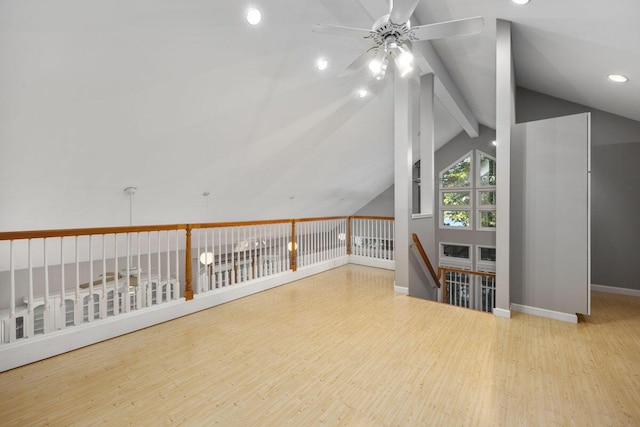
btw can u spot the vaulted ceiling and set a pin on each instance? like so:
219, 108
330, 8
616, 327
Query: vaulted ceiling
178, 98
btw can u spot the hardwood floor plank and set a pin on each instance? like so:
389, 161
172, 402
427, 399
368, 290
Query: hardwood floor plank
341, 348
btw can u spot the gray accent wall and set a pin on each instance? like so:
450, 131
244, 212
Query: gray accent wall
615, 186
382, 205
615, 213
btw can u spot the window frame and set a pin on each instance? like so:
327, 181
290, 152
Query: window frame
468, 189
455, 262
479, 208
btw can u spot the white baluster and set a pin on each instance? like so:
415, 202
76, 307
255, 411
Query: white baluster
62, 318
90, 303
30, 317
203, 284
149, 279
176, 284
12, 293
46, 318
159, 292
116, 281
77, 307
169, 286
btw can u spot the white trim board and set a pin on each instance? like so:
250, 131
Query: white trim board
615, 290
501, 312
565, 317
400, 289
372, 262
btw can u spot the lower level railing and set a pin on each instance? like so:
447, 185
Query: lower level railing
51, 280
470, 289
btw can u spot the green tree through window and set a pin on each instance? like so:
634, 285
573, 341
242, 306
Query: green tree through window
459, 175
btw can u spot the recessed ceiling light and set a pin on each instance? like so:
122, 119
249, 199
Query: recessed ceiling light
362, 93
618, 78
520, 1
322, 64
254, 16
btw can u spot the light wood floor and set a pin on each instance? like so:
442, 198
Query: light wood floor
341, 348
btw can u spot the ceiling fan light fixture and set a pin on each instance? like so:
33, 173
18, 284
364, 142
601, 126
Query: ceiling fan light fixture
322, 64
254, 16
618, 78
378, 63
375, 66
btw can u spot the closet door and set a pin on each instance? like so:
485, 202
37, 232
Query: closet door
550, 197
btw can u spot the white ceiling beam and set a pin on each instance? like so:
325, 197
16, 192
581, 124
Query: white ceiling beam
445, 88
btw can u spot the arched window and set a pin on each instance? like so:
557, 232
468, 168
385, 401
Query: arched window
464, 193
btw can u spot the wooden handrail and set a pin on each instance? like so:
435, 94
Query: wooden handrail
240, 223
388, 218
459, 270
425, 258
322, 218
40, 234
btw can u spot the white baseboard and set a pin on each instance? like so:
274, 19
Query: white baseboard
501, 312
372, 262
30, 350
614, 290
401, 289
542, 312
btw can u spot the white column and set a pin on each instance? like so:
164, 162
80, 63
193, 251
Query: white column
505, 118
426, 144
403, 162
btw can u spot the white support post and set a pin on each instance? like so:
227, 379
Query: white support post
427, 136
505, 118
403, 165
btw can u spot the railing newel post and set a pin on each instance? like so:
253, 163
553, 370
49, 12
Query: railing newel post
188, 290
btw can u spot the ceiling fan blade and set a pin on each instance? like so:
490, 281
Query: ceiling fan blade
358, 63
401, 10
459, 27
342, 31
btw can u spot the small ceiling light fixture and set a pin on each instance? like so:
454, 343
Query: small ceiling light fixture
494, 142
322, 64
362, 93
254, 16
404, 61
206, 258
520, 1
618, 78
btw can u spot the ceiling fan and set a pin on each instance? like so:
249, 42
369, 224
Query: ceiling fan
391, 35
